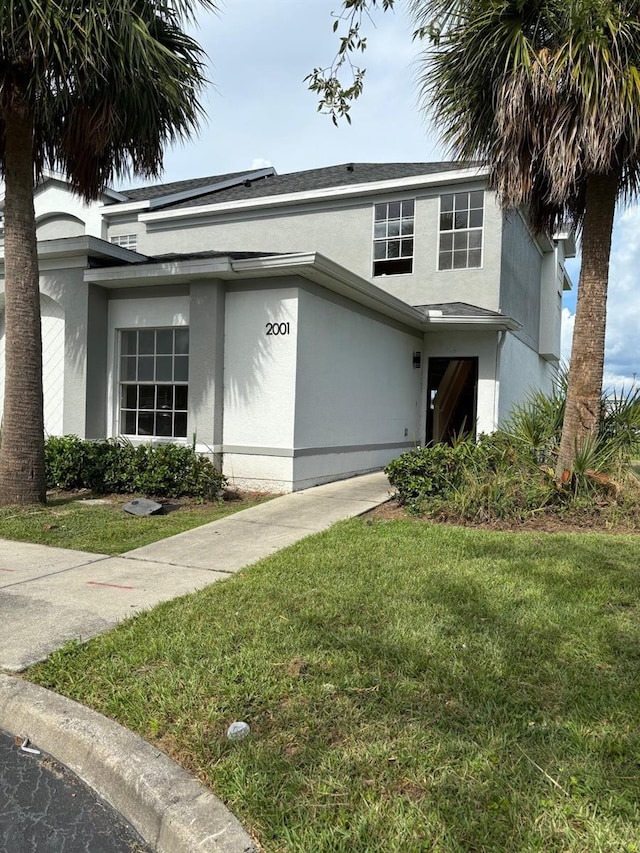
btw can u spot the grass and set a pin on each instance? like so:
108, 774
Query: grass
67, 522
409, 687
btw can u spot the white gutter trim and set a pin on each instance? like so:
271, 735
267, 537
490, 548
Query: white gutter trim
350, 190
179, 271
310, 265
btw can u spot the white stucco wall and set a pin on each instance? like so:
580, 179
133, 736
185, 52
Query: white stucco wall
259, 386
53, 365
521, 370
356, 385
53, 332
343, 231
53, 199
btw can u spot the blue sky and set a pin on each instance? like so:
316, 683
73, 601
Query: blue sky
260, 112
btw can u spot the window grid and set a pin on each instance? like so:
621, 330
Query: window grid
154, 374
126, 241
393, 233
461, 223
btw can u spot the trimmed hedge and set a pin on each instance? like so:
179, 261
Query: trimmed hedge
168, 470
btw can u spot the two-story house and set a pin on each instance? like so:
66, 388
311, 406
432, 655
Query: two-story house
299, 327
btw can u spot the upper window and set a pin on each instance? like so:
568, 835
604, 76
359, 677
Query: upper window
461, 220
127, 241
154, 375
393, 238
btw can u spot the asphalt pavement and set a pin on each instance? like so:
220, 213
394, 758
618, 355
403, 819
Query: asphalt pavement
44, 807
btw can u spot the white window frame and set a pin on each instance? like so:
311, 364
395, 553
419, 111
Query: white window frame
461, 220
134, 382
401, 220
126, 241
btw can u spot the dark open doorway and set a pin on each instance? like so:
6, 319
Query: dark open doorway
451, 398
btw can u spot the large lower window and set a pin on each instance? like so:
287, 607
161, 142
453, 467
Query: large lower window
461, 220
154, 376
393, 237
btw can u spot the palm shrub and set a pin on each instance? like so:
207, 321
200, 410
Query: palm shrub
510, 475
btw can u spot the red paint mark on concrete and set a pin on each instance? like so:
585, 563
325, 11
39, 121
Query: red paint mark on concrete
7, 570
112, 585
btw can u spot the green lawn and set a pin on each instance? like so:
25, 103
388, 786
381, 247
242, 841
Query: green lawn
67, 522
409, 688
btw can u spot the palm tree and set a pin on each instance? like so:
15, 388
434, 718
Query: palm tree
94, 89
547, 92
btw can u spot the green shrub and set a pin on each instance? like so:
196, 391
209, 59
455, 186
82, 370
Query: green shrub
510, 475
168, 470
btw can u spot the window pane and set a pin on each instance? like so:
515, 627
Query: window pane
128, 423
165, 397
407, 207
446, 221
181, 368
406, 227
461, 201
164, 341
379, 250
145, 423
180, 425
380, 230
475, 239
128, 343
393, 249
445, 260
147, 396
164, 424
446, 242
459, 260
164, 364
446, 203
128, 396
475, 219
394, 228
474, 257
181, 397
406, 248
461, 219
182, 341
145, 368
146, 339
476, 199
460, 239
394, 210
128, 368
380, 212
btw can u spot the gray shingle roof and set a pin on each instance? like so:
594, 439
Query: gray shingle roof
159, 190
294, 182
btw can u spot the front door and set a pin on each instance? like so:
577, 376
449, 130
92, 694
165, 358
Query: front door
451, 399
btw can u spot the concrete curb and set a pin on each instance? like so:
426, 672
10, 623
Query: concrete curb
171, 810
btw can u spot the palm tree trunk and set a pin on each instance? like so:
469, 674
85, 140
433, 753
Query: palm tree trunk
584, 390
22, 474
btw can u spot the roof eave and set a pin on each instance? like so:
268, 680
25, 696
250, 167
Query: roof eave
328, 193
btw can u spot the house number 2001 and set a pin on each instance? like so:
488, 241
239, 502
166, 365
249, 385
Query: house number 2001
277, 328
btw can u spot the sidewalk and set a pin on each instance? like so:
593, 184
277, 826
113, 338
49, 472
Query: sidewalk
49, 596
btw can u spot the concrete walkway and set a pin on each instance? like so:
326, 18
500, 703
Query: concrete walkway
49, 596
